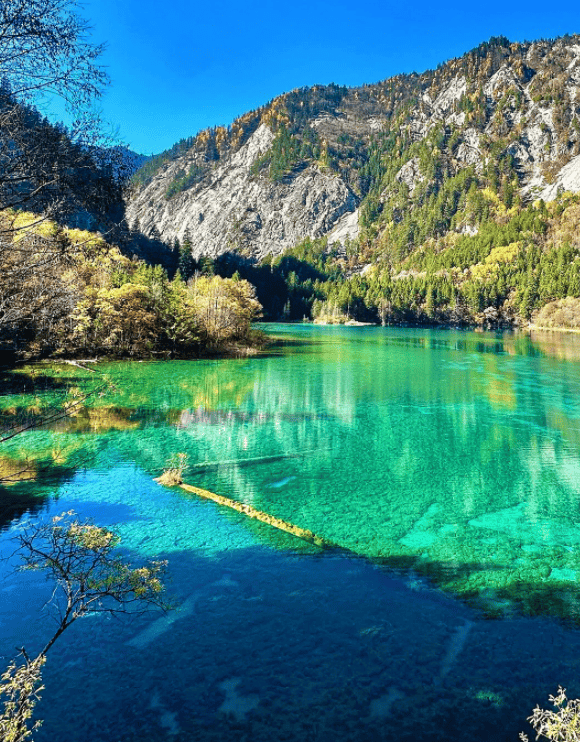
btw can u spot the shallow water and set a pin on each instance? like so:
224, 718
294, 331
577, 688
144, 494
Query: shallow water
446, 464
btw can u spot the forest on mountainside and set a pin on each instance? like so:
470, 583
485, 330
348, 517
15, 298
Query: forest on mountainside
395, 102
520, 260
74, 279
444, 237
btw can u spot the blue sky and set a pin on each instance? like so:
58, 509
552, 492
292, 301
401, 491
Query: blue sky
180, 66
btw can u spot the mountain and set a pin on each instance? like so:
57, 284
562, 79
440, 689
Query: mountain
44, 169
445, 197
338, 162
450, 197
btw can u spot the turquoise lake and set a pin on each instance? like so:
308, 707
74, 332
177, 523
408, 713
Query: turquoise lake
443, 464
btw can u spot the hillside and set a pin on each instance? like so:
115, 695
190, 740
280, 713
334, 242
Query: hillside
74, 294
302, 165
416, 179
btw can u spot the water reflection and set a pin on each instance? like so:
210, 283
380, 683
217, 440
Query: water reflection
420, 458
447, 455
564, 346
453, 454
26, 483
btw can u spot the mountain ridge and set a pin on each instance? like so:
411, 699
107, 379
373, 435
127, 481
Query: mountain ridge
303, 162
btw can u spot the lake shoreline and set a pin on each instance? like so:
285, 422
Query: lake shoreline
233, 350
514, 327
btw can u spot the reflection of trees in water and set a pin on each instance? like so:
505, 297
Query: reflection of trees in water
397, 451
28, 396
397, 433
32, 467
98, 420
42, 397
27, 484
17, 470
564, 346
379, 452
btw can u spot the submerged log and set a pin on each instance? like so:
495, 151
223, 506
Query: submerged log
251, 512
203, 465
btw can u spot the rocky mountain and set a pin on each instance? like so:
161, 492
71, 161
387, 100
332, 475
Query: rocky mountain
390, 165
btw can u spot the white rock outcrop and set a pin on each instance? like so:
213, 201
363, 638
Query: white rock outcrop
523, 101
233, 209
568, 179
346, 228
410, 174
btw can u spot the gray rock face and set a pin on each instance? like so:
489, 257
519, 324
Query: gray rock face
410, 174
469, 151
234, 206
233, 209
346, 228
567, 179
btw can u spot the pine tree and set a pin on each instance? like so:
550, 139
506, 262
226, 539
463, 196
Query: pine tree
187, 265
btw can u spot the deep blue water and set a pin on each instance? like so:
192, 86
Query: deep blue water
446, 464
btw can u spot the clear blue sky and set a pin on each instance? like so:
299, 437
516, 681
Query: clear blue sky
180, 66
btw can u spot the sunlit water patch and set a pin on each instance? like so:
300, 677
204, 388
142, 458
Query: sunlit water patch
451, 457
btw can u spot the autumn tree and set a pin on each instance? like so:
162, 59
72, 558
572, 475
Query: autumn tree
88, 575
224, 309
34, 255
561, 725
45, 49
45, 52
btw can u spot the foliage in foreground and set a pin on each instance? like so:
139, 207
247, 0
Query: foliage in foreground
21, 686
80, 559
562, 725
47, 51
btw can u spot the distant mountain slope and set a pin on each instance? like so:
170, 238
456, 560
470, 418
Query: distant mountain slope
392, 165
42, 168
78, 184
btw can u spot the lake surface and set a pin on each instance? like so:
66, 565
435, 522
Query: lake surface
445, 465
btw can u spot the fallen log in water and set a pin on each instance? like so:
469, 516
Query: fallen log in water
81, 364
251, 512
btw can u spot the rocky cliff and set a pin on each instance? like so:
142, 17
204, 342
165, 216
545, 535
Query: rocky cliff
337, 162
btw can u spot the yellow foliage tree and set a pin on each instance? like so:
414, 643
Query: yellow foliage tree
224, 308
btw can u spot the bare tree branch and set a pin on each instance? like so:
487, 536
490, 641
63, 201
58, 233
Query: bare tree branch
89, 576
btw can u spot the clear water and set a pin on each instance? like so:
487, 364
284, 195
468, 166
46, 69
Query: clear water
446, 465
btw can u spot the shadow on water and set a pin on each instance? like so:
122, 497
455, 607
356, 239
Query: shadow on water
490, 589
17, 501
266, 646
31, 380
502, 596
27, 486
